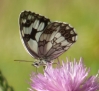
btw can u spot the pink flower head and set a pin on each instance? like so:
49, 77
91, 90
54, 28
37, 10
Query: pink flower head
70, 76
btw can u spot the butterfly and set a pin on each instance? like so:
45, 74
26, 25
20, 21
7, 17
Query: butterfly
43, 39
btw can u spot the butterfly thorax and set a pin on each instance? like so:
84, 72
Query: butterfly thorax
41, 62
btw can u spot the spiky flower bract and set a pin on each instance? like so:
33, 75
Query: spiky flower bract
70, 76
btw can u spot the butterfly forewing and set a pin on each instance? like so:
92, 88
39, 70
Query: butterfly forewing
31, 27
56, 39
43, 39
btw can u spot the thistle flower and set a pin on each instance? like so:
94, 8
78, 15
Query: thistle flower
70, 76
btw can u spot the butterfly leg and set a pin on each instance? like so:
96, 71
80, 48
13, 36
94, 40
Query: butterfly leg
58, 61
36, 70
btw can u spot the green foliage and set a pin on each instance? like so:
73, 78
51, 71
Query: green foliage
4, 84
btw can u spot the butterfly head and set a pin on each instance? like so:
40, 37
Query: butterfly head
39, 63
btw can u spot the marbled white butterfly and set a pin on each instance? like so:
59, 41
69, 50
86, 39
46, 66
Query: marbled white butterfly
45, 40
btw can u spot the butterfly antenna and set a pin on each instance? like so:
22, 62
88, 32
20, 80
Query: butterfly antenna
23, 61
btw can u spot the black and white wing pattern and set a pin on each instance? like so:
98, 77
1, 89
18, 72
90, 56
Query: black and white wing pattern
31, 27
43, 39
56, 39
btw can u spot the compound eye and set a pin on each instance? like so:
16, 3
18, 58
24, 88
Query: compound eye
35, 64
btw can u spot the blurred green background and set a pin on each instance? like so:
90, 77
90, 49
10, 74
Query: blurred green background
83, 15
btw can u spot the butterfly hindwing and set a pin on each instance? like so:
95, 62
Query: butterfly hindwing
31, 27
56, 39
